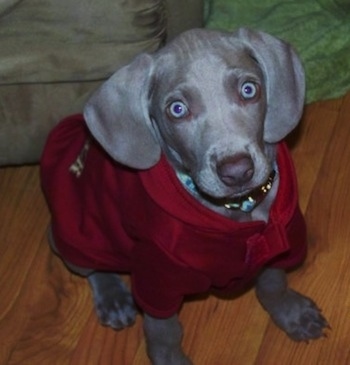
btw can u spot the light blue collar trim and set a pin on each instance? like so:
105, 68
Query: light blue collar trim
245, 203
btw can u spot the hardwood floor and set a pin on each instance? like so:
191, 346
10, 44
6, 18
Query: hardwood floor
46, 314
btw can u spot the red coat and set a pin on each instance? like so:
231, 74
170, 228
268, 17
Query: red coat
114, 218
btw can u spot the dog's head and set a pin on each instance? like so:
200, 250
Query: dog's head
215, 103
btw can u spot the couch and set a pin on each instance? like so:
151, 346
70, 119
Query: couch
55, 53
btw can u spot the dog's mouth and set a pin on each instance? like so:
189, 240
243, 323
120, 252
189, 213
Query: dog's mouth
245, 201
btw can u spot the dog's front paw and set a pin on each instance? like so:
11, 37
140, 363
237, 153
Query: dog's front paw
116, 312
163, 338
162, 356
299, 317
113, 301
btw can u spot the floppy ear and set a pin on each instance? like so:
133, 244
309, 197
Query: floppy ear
117, 115
285, 82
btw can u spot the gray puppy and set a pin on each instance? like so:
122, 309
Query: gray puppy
177, 175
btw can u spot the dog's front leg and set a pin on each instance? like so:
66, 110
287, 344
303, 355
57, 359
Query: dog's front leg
163, 337
294, 313
113, 301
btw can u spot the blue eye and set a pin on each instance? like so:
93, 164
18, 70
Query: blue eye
177, 110
249, 90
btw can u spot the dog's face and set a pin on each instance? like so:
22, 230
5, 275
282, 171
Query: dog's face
215, 103
209, 107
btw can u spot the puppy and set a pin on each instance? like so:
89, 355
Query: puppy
177, 175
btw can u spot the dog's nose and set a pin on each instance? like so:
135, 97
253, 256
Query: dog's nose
235, 170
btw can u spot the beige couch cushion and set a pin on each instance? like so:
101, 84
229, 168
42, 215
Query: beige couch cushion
65, 40
53, 53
